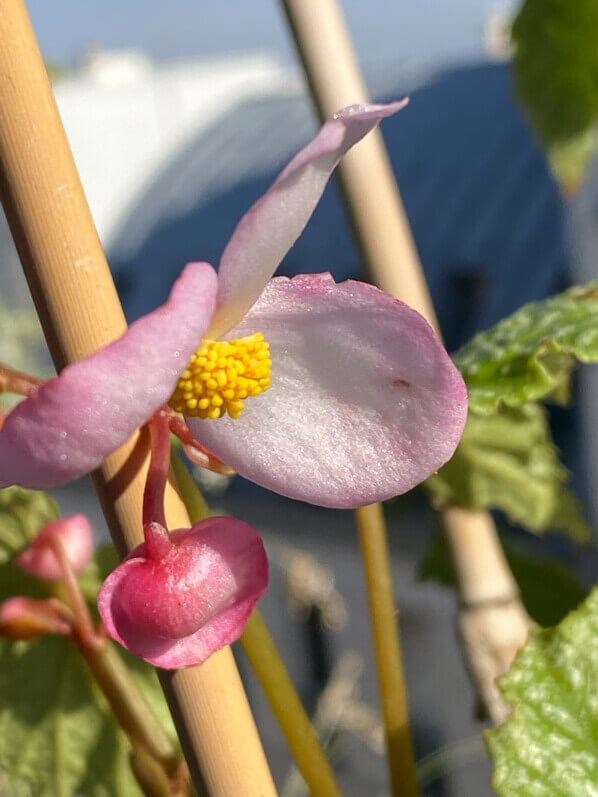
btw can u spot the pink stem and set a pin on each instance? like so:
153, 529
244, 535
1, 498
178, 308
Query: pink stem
157, 475
12, 381
157, 540
194, 450
83, 626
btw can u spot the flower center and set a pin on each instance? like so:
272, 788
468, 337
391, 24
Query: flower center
220, 375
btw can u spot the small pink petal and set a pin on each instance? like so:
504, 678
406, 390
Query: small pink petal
269, 229
26, 618
70, 424
177, 611
364, 402
77, 538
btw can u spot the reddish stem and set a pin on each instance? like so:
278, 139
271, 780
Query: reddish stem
194, 450
157, 540
83, 626
157, 475
12, 381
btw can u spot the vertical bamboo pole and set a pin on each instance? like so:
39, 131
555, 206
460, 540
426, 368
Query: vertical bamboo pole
492, 619
79, 309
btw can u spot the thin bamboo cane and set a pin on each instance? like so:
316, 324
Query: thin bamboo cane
80, 311
492, 619
373, 541
294, 723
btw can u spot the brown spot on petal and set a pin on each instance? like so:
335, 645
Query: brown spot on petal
401, 382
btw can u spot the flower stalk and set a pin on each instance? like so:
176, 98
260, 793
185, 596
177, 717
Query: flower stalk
157, 474
12, 381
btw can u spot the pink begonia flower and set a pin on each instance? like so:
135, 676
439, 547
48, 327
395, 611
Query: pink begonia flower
76, 537
361, 401
178, 598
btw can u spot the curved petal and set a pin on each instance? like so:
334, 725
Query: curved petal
177, 612
269, 229
66, 427
364, 402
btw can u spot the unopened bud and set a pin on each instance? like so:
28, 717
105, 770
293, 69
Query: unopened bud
26, 618
76, 537
178, 598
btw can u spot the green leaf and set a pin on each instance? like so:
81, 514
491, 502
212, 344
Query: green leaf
14, 581
570, 160
556, 71
548, 588
549, 745
508, 461
54, 723
58, 736
531, 354
22, 514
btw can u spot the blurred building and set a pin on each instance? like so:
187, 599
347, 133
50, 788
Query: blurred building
172, 154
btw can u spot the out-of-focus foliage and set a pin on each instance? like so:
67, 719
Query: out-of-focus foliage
549, 745
548, 588
22, 514
58, 736
507, 459
556, 79
530, 355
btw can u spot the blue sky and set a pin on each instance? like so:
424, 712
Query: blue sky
382, 29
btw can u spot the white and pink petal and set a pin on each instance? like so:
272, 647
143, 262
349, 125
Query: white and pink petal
364, 402
272, 225
66, 427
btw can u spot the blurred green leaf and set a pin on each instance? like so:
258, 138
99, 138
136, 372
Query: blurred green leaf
14, 581
508, 461
531, 354
22, 514
549, 745
55, 728
58, 736
548, 588
555, 69
570, 160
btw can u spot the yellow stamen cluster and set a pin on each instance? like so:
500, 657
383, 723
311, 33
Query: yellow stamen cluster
220, 375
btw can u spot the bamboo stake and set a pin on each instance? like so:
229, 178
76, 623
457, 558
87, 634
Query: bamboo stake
492, 620
80, 311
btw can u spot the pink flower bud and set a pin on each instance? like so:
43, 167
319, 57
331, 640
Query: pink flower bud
26, 618
75, 535
178, 598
